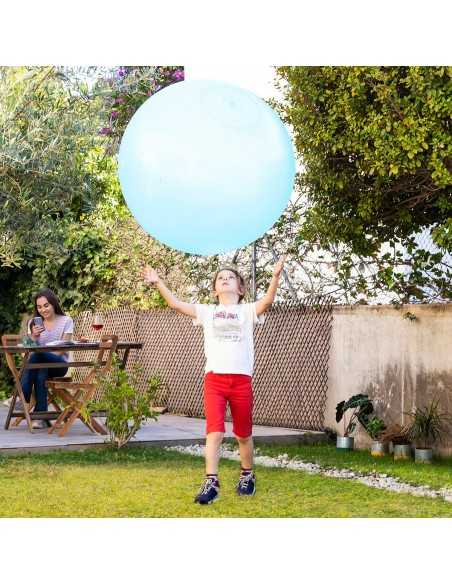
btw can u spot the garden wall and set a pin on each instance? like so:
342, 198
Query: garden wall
399, 362
308, 358
290, 376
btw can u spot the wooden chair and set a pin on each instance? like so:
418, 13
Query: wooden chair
76, 395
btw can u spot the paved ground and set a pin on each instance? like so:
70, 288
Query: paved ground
168, 430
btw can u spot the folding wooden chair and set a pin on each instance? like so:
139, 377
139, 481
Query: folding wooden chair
76, 395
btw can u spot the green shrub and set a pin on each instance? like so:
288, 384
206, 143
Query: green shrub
126, 408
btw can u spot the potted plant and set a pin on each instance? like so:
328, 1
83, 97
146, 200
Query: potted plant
360, 408
401, 443
374, 428
427, 427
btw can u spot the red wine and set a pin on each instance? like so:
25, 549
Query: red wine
97, 327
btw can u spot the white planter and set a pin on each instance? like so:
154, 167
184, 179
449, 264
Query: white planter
424, 455
378, 448
345, 442
402, 451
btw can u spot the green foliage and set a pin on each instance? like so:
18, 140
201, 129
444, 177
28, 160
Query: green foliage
374, 427
125, 407
428, 424
376, 149
361, 407
410, 316
44, 133
63, 221
130, 88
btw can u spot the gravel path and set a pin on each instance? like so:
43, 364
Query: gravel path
373, 479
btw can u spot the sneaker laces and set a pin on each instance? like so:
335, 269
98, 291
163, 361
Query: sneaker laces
245, 479
208, 482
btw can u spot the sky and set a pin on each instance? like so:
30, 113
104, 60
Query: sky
255, 78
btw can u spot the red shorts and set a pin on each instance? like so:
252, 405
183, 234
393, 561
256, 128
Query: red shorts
235, 388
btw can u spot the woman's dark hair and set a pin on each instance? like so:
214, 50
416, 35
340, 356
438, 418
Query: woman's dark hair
239, 276
52, 298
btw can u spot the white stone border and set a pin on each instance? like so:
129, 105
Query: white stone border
373, 479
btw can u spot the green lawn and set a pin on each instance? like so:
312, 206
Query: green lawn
151, 482
436, 475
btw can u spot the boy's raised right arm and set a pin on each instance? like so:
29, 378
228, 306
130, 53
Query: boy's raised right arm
151, 277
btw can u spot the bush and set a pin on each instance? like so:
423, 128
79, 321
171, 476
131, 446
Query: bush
126, 408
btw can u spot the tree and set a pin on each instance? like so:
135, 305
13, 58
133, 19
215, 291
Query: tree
376, 148
45, 132
63, 220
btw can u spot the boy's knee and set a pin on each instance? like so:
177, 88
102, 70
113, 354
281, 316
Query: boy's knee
244, 440
215, 436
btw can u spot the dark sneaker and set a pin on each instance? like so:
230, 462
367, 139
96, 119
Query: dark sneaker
247, 484
210, 491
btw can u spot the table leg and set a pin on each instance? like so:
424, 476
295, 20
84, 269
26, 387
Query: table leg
124, 358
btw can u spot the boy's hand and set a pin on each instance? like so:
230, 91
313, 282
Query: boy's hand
277, 269
150, 275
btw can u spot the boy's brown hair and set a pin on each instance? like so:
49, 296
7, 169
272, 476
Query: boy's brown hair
240, 278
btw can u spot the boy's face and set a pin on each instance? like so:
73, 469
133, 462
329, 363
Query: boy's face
227, 283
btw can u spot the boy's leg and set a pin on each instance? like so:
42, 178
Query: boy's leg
213, 443
241, 403
246, 450
215, 409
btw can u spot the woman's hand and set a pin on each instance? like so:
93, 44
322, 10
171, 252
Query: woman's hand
278, 267
150, 276
36, 331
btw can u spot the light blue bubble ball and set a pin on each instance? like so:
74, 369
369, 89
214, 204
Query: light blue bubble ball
206, 167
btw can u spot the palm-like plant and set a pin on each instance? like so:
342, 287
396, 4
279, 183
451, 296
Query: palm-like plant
428, 424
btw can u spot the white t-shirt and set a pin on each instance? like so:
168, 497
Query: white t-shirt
228, 336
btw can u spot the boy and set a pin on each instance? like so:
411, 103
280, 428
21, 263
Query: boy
229, 350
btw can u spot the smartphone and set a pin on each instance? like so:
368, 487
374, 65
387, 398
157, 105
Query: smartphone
37, 321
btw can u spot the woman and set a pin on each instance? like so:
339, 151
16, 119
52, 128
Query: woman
56, 327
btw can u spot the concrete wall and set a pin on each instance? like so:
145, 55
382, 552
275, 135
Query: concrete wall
398, 362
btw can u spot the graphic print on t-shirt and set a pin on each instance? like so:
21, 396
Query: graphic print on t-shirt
227, 325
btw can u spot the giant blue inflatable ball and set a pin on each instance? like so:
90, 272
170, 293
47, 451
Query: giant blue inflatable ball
206, 167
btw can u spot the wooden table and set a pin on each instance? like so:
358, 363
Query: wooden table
123, 346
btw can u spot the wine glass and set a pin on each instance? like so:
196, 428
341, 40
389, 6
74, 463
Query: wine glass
97, 323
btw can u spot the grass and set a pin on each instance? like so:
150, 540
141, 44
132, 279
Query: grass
436, 475
152, 482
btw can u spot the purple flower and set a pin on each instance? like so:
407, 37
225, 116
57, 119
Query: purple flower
114, 115
178, 75
119, 100
105, 131
121, 72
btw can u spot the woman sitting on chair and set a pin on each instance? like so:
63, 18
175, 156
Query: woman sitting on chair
51, 325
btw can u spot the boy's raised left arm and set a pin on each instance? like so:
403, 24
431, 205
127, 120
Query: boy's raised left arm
266, 301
